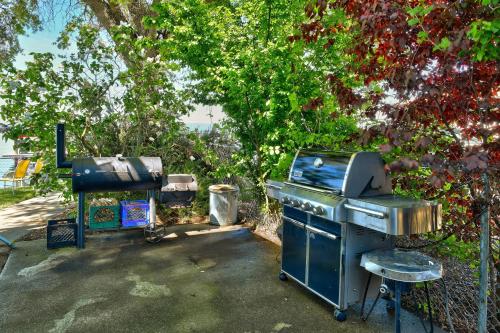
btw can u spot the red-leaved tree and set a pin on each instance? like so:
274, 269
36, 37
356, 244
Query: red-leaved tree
430, 75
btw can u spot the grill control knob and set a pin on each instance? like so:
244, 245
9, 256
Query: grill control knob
306, 206
285, 200
295, 203
319, 210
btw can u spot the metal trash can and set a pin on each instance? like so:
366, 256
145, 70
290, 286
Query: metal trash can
223, 204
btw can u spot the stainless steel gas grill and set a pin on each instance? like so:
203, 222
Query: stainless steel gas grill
337, 206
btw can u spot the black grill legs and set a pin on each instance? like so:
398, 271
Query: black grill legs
394, 304
80, 237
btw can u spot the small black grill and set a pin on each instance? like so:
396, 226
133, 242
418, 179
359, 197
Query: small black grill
178, 190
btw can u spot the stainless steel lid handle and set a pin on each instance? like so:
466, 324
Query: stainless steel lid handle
373, 213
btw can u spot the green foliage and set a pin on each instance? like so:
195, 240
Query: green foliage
242, 55
416, 14
485, 34
16, 16
108, 109
490, 2
486, 37
465, 251
443, 44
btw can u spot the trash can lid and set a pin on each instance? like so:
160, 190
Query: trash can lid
221, 188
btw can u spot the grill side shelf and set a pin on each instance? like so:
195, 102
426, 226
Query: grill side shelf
394, 215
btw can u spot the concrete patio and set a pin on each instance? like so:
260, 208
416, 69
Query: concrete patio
200, 279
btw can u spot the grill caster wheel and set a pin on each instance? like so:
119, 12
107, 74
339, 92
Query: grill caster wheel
340, 315
390, 305
154, 235
283, 277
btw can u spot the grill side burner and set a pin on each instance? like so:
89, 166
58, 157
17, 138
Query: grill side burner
337, 206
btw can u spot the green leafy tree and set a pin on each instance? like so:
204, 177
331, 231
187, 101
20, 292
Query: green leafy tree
108, 109
19, 17
243, 56
15, 18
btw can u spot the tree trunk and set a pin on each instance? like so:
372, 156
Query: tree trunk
110, 14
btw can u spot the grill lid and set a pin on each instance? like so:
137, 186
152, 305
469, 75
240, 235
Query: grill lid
348, 174
320, 169
106, 174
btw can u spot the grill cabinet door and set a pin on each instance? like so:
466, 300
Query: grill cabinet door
293, 258
324, 264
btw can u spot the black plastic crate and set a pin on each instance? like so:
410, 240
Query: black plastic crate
61, 233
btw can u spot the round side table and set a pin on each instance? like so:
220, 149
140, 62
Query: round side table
400, 267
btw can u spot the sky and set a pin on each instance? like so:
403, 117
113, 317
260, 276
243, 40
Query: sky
43, 41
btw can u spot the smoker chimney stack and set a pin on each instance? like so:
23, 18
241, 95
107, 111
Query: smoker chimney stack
61, 148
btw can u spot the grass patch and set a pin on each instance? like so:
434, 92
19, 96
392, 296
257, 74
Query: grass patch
7, 198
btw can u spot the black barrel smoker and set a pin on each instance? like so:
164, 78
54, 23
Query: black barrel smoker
116, 174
